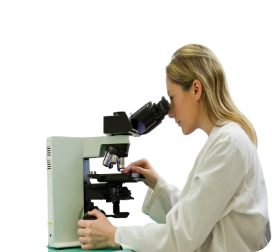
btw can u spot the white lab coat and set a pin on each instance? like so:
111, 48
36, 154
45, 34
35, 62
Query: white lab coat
223, 206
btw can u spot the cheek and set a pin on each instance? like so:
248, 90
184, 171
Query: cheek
179, 114
180, 109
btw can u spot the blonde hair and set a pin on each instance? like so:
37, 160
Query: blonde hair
198, 62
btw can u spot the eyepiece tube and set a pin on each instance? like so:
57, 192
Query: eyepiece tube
149, 116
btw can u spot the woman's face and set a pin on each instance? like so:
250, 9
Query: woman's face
184, 106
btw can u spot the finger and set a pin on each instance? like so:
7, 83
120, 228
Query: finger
81, 231
82, 223
139, 170
85, 242
127, 169
141, 162
86, 246
83, 239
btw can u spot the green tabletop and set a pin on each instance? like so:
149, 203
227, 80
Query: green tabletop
81, 250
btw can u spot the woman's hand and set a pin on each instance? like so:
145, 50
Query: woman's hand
96, 234
143, 167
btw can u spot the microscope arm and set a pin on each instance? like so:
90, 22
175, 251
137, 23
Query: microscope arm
95, 146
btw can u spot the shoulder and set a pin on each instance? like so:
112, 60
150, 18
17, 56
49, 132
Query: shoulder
231, 131
233, 135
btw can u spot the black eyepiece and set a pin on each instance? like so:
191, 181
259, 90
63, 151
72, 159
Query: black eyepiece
141, 122
149, 116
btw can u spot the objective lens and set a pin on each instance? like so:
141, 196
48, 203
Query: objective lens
121, 164
113, 159
106, 159
109, 160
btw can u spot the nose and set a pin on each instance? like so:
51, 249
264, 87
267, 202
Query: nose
171, 113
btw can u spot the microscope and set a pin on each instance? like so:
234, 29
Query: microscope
71, 191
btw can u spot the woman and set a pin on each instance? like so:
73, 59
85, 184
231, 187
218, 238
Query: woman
223, 206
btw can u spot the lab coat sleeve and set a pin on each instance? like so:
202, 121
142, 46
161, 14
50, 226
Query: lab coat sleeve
190, 221
165, 197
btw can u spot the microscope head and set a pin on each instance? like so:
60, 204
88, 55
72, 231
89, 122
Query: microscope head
140, 123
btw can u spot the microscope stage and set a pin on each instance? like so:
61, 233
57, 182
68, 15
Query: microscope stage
117, 177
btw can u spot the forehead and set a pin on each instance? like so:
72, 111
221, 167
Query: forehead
171, 86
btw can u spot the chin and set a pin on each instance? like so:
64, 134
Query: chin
187, 131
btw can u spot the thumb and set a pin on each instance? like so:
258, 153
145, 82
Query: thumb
96, 213
139, 170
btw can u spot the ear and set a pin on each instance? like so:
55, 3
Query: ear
197, 89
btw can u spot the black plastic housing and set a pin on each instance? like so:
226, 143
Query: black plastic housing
141, 122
